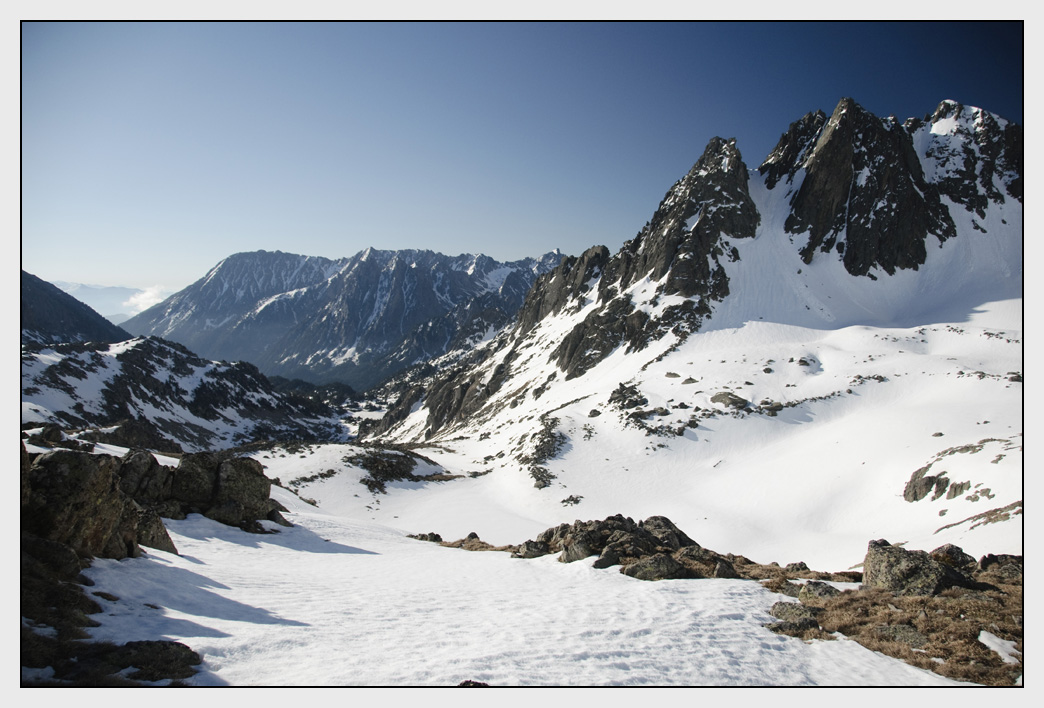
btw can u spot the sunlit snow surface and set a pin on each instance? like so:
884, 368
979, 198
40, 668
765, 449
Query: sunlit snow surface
340, 602
345, 597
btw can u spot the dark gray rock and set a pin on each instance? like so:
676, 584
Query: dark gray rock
793, 611
905, 572
955, 557
195, 479
143, 478
75, 499
579, 545
531, 549
666, 532
704, 563
659, 566
814, 592
858, 163
726, 398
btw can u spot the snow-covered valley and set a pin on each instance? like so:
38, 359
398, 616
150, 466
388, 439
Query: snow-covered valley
345, 597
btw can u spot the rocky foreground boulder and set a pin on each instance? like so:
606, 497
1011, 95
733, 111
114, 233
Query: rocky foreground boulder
904, 572
234, 491
75, 499
653, 549
73, 509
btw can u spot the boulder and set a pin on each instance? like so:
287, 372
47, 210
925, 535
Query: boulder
905, 572
666, 532
814, 592
75, 500
195, 479
578, 546
242, 482
626, 547
531, 549
729, 399
659, 566
704, 563
793, 611
143, 478
954, 556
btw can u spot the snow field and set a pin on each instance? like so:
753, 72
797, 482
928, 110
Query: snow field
339, 602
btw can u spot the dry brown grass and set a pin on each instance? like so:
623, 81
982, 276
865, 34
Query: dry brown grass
950, 621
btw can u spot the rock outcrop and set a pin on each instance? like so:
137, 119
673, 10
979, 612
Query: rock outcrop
653, 549
906, 572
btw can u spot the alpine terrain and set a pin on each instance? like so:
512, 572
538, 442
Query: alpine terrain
353, 320
775, 439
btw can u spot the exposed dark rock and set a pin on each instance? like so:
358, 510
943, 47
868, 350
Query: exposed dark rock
793, 611
531, 549
955, 557
905, 572
659, 566
864, 192
135, 433
666, 532
76, 500
726, 398
814, 592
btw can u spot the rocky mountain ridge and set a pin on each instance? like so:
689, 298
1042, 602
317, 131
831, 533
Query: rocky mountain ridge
834, 228
49, 315
147, 392
354, 320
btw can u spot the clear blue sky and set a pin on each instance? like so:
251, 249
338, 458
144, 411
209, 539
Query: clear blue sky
152, 151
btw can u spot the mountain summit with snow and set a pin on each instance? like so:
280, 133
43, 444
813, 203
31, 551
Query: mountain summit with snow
356, 320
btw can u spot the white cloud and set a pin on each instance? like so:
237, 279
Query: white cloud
146, 298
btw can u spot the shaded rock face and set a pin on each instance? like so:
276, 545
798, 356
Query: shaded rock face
905, 572
234, 491
50, 315
864, 193
75, 500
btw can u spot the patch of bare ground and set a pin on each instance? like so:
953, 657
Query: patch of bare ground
939, 633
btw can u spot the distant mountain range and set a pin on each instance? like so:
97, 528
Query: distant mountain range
354, 320
112, 302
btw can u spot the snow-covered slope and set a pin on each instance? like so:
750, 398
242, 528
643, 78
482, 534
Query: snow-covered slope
853, 366
196, 404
